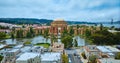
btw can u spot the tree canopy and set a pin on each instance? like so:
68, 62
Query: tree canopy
65, 58
103, 37
67, 41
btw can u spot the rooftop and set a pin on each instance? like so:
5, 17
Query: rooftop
108, 49
25, 49
112, 49
2, 46
26, 56
108, 60
58, 21
18, 46
103, 49
52, 56
37, 47
14, 50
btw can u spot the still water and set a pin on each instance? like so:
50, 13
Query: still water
40, 39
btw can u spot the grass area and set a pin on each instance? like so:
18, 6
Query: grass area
27, 43
45, 45
7, 36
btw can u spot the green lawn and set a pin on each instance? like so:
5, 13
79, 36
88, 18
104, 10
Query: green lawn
27, 43
7, 36
45, 45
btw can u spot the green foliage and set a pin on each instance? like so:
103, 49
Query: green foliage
1, 57
2, 35
117, 56
83, 55
46, 34
67, 41
92, 59
78, 26
53, 38
45, 45
27, 43
87, 33
71, 32
104, 37
30, 33
76, 44
101, 26
64, 33
65, 58
19, 33
12, 35
4, 27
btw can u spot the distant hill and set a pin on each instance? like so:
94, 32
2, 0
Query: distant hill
117, 22
35, 21
25, 21
42, 21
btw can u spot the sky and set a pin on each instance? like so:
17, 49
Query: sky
73, 10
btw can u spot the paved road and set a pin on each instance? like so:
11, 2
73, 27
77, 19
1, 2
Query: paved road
73, 58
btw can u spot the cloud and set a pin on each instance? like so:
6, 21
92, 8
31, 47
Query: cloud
81, 10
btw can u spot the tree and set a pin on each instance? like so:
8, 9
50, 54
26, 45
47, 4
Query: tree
83, 55
67, 41
53, 38
1, 57
12, 35
105, 38
65, 58
76, 44
19, 33
71, 32
46, 34
32, 32
2, 35
101, 26
92, 59
117, 56
87, 33
65, 32
29, 35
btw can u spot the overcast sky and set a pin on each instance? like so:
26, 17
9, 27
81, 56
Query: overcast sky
80, 10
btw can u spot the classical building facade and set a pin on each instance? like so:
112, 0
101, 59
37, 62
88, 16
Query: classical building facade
58, 26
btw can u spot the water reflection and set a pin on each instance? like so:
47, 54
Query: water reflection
41, 39
37, 39
81, 41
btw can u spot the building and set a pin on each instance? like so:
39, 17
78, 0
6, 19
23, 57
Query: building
91, 50
18, 47
37, 49
29, 58
103, 53
108, 50
108, 60
57, 47
51, 57
58, 26
25, 49
2, 46
10, 55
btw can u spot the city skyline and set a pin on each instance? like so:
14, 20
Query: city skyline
76, 10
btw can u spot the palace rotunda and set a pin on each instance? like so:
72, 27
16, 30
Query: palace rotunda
58, 26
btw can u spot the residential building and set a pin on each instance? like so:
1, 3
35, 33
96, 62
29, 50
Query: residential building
91, 50
37, 49
29, 58
51, 57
